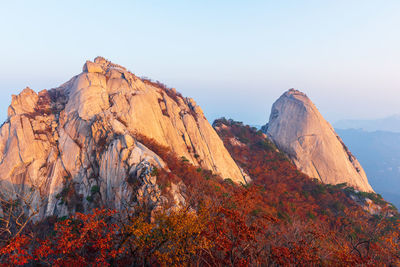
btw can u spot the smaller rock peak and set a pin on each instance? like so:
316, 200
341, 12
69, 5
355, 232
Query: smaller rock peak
107, 64
26, 93
27, 89
92, 67
101, 60
298, 129
22, 103
101, 65
293, 92
297, 95
104, 63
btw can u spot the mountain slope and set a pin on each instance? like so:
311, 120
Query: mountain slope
348, 221
298, 129
75, 146
282, 218
379, 153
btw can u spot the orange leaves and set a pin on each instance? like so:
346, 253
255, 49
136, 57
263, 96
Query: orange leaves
172, 239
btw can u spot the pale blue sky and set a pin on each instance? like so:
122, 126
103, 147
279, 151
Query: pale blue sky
235, 58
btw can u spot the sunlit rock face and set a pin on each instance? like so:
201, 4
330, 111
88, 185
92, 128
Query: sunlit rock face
74, 147
299, 130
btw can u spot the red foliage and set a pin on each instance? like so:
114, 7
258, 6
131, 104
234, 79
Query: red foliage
16, 252
282, 218
84, 239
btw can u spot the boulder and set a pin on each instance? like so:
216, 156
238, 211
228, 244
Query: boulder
92, 67
25, 102
299, 130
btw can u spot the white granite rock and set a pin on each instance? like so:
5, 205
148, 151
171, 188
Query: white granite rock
75, 145
298, 129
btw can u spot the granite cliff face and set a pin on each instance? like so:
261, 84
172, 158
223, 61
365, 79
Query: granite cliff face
77, 142
299, 130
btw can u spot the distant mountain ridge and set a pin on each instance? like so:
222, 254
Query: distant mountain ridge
389, 124
379, 153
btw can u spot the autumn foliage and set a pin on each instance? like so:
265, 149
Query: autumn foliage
282, 218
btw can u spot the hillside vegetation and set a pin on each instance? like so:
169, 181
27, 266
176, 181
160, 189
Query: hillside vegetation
282, 217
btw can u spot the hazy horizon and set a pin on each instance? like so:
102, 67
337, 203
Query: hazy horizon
234, 58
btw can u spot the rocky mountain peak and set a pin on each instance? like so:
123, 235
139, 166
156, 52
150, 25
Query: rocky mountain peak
76, 145
294, 92
298, 129
25, 102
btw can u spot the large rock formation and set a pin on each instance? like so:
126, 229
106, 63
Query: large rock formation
75, 145
298, 129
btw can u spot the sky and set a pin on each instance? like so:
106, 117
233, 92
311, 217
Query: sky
235, 58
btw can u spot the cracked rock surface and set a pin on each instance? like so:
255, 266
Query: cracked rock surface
75, 145
298, 129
